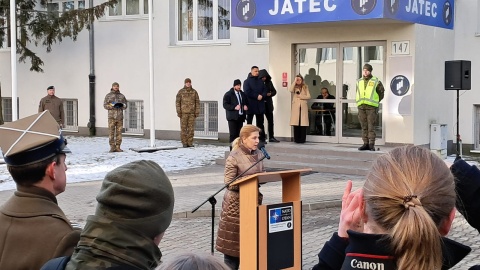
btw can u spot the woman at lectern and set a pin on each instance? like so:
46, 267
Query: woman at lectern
243, 155
399, 218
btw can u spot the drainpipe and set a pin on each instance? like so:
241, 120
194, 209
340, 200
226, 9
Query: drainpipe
91, 78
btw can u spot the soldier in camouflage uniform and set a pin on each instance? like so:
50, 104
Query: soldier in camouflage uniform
115, 103
130, 219
188, 108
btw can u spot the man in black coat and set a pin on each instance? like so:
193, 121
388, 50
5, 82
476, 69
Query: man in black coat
271, 92
256, 92
235, 103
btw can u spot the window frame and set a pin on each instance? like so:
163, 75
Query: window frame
215, 25
263, 39
6, 43
10, 108
477, 33
61, 2
73, 127
206, 124
140, 115
124, 16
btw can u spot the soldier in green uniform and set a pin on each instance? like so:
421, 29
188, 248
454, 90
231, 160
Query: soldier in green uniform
115, 103
188, 108
370, 92
31, 222
54, 105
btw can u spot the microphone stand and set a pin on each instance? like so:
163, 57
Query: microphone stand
213, 201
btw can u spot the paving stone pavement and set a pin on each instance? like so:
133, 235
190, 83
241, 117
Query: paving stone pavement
321, 193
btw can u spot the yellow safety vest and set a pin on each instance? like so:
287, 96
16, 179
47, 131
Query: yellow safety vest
369, 94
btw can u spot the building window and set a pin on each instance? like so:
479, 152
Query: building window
476, 120
70, 107
7, 110
373, 53
203, 20
477, 33
206, 124
302, 56
326, 54
4, 32
64, 6
53, 7
128, 9
347, 54
261, 35
134, 117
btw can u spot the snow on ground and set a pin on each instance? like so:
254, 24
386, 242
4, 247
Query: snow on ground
90, 159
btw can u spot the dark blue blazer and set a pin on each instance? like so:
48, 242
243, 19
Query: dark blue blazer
230, 101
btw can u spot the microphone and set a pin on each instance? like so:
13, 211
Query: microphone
264, 151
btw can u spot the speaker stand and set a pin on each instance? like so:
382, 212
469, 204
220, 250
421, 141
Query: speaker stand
458, 126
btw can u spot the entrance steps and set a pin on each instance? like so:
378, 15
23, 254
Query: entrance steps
321, 157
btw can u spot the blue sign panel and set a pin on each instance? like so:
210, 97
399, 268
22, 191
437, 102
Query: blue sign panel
252, 13
274, 12
434, 12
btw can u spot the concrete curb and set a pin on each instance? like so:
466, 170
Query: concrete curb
305, 207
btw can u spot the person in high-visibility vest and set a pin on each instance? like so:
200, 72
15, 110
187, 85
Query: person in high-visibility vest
370, 92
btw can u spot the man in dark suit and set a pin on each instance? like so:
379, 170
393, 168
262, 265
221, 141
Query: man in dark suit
235, 103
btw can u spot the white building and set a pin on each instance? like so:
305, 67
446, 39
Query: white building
407, 43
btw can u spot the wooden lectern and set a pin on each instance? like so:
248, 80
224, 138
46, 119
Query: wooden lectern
271, 235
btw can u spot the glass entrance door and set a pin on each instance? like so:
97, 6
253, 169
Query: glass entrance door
354, 56
318, 66
333, 113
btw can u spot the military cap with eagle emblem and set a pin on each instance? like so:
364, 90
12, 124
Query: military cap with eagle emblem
31, 139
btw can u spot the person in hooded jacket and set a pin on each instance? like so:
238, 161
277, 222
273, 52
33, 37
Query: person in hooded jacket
467, 186
256, 92
271, 92
400, 217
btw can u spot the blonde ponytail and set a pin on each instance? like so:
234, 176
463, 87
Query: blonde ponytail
408, 193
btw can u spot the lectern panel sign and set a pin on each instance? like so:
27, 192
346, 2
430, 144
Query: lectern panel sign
281, 219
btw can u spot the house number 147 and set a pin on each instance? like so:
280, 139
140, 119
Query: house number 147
400, 47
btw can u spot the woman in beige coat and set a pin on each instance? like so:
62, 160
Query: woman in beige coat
243, 155
299, 115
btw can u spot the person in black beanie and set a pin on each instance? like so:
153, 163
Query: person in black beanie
135, 208
235, 103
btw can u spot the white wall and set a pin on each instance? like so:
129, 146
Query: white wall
282, 39
121, 55
467, 44
432, 104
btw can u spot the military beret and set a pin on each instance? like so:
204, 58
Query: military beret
51, 87
187, 80
31, 139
